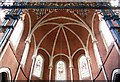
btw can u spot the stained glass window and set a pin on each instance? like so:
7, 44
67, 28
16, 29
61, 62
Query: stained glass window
60, 70
38, 67
83, 68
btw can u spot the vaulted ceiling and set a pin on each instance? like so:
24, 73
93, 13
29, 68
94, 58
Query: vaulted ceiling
61, 31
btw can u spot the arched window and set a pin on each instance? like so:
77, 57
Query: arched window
38, 67
105, 33
17, 34
83, 68
61, 71
5, 75
116, 75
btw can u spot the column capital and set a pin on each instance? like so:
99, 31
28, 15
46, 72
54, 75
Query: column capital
94, 41
70, 62
70, 57
51, 56
27, 40
34, 56
71, 67
50, 66
88, 57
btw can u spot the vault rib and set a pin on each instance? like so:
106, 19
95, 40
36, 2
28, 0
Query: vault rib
46, 36
76, 36
68, 46
54, 44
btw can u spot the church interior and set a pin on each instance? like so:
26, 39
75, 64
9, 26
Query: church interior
59, 41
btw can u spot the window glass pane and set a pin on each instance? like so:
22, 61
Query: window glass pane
38, 67
60, 71
83, 68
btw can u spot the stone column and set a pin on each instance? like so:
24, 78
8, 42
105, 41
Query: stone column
50, 67
99, 59
24, 57
32, 66
71, 68
25, 52
50, 72
89, 65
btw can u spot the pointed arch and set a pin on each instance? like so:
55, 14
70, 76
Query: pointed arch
6, 74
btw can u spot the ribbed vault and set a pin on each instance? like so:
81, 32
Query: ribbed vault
61, 32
